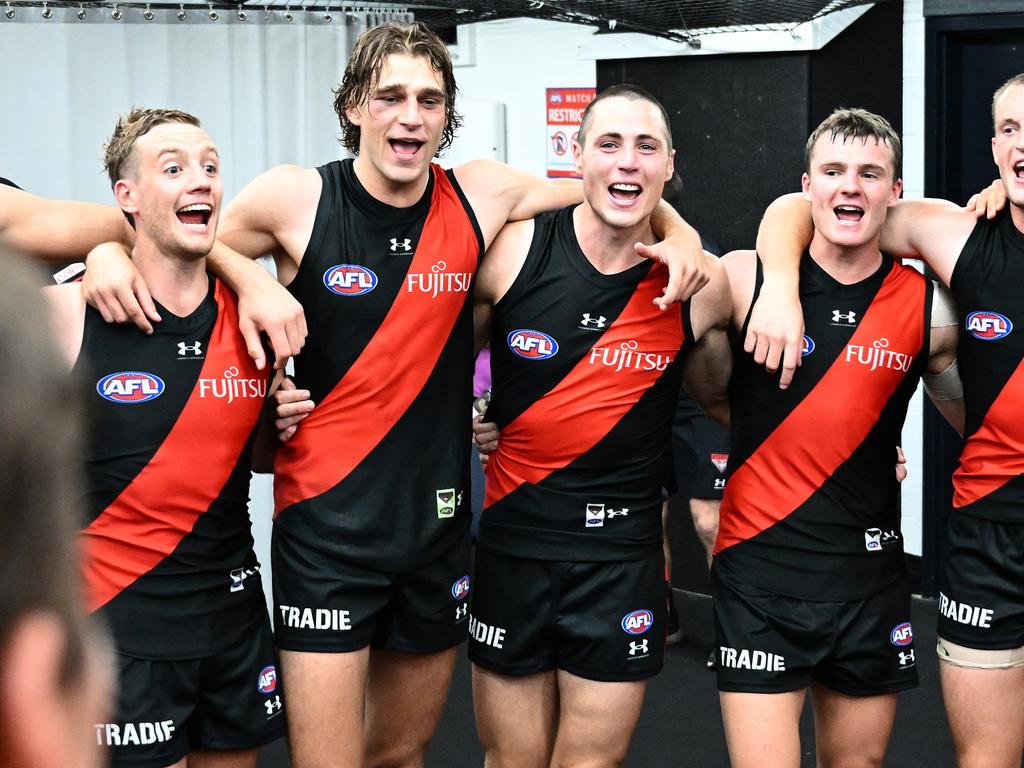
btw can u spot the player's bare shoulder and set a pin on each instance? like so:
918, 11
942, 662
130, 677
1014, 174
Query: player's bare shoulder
741, 270
504, 260
67, 316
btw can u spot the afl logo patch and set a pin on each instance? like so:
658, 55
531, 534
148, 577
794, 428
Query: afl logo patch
460, 589
267, 681
902, 635
808, 346
350, 280
988, 326
533, 345
130, 387
637, 622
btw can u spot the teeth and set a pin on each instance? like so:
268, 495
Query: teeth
627, 187
196, 207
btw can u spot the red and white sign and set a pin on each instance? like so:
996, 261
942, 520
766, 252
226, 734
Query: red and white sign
564, 114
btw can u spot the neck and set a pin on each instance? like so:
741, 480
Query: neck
609, 249
846, 265
178, 283
396, 194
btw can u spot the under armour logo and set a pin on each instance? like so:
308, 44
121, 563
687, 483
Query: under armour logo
460, 611
906, 658
597, 322
637, 648
405, 245
618, 512
719, 483
273, 705
848, 317
194, 349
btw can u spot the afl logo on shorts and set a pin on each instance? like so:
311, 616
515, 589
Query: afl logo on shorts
533, 345
130, 387
988, 326
637, 622
460, 589
267, 682
808, 346
902, 635
350, 280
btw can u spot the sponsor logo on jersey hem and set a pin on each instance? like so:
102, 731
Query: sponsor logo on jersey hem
875, 539
447, 502
350, 279
334, 619
130, 387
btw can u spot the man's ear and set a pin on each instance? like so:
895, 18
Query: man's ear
124, 193
32, 716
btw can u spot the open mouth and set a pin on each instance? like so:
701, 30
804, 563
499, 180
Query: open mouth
624, 193
406, 149
195, 216
1018, 170
850, 213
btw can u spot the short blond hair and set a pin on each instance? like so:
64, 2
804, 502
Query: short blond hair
857, 124
117, 153
1015, 80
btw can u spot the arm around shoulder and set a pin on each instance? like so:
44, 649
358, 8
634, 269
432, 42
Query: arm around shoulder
499, 268
933, 230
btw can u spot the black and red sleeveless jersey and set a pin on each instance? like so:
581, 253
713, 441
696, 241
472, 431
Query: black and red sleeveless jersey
167, 544
811, 506
986, 285
586, 372
378, 473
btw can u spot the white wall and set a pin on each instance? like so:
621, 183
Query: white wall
515, 60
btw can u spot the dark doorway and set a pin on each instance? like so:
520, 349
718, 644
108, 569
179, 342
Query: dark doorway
968, 58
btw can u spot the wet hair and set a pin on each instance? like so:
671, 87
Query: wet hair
362, 73
625, 91
39, 472
857, 124
1015, 80
117, 153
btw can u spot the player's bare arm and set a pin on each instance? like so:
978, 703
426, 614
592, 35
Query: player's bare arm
499, 193
57, 230
67, 315
934, 230
709, 365
504, 260
941, 378
267, 217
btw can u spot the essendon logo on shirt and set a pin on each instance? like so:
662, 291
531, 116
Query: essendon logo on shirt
628, 355
130, 387
533, 345
878, 355
232, 388
350, 280
438, 281
988, 326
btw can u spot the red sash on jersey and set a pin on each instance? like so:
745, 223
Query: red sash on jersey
796, 459
986, 465
592, 397
389, 374
161, 505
